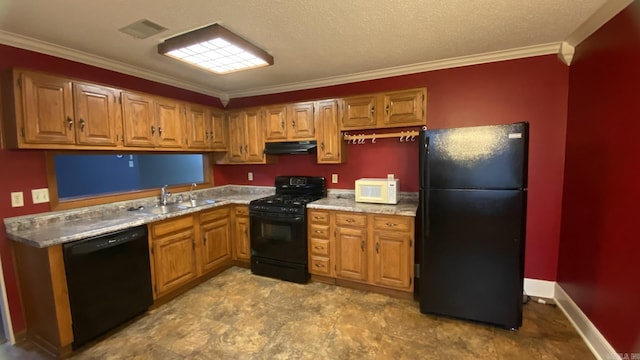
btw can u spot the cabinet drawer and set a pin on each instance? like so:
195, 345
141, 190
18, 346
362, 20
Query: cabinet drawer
319, 231
242, 211
210, 215
350, 219
319, 217
170, 226
319, 265
397, 223
320, 247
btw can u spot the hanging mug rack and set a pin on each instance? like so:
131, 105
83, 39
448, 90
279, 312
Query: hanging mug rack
404, 136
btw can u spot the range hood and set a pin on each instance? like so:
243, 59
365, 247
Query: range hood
290, 147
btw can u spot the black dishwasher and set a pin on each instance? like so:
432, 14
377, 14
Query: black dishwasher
109, 281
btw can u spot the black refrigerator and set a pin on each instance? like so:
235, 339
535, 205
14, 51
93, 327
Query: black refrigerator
472, 217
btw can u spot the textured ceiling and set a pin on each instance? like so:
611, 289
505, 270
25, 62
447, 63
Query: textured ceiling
310, 40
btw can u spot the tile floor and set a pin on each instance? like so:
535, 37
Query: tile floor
237, 315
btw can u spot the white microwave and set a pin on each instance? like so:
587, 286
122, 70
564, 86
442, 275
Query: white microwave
379, 191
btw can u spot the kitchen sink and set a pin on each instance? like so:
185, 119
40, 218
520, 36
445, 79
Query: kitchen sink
169, 208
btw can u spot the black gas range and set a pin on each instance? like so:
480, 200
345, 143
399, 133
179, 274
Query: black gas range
278, 228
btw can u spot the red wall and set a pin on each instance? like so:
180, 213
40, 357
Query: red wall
533, 89
599, 247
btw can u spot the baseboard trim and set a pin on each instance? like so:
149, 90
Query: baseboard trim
539, 288
598, 345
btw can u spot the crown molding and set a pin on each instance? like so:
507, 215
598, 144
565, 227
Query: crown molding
86, 58
47, 48
605, 13
517, 53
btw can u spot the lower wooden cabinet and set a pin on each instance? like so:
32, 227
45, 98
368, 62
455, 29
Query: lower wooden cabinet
173, 250
371, 249
215, 237
241, 231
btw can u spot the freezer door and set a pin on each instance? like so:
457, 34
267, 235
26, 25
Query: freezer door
473, 255
481, 157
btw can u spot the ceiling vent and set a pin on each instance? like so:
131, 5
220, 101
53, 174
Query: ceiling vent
142, 29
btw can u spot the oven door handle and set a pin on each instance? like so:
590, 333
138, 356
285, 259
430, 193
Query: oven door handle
267, 217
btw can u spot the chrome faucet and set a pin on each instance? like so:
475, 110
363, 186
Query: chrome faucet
164, 195
191, 196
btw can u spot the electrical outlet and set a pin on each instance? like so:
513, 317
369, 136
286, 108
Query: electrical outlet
334, 178
39, 196
250, 176
390, 177
17, 200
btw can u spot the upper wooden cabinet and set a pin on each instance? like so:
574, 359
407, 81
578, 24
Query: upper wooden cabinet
246, 137
292, 122
152, 121
46, 111
332, 149
206, 128
385, 110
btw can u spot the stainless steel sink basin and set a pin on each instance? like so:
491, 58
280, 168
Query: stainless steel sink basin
166, 209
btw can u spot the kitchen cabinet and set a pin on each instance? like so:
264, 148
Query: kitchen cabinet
246, 137
374, 250
215, 234
385, 110
321, 258
292, 122
206, 128
173, 251
47, 111
241, 230
351, 246
332, 149
392, 241
152, 121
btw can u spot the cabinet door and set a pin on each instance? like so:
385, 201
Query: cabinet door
169, 120
243, 251
137, 113
218, 130
48, 109
302, 121
254, 135
96, 114
351, 253
197, 127
359, 112
174, 261
392, 259
236, 137
404, 108
276, 122
216, 244
331, 147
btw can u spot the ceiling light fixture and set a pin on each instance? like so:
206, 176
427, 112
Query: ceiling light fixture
215, 49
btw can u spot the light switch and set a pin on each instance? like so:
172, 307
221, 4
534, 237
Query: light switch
39, 196
334, 178
250, 176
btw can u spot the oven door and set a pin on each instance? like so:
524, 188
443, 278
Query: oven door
279, 236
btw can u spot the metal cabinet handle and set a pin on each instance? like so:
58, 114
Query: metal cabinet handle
82, 123
362, 245
377, 247
204, 239
318, 231
350, 221
318, 247
293, 124
322, 146
319, 265
246, 149
69, 122
373, 110
160, 131
391, 224
317, 217
282, 124
153, 130
387, 109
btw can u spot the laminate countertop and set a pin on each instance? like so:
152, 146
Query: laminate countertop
58, 227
